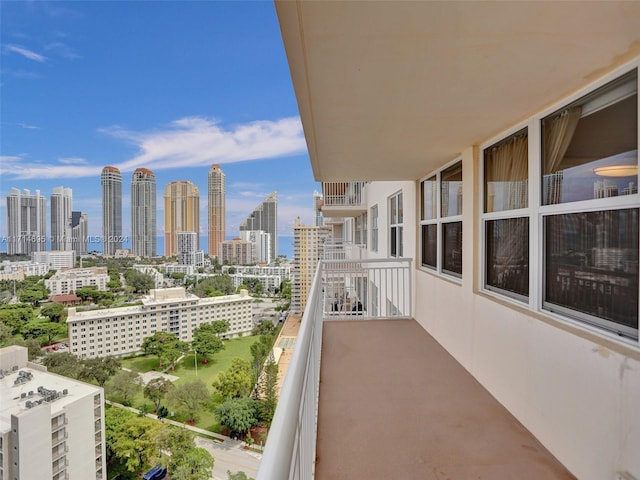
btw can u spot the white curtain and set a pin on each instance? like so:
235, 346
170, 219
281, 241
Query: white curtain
558, 132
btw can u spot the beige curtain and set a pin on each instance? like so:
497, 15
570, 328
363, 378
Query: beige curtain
507, 164
558, 132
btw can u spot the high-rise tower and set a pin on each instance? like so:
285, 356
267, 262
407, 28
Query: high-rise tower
79, 232
26, 222
181, 213
61, 207
111, 210
143, 213
265, 218
216, 198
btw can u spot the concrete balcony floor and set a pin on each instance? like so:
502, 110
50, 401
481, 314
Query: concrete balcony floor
394, 404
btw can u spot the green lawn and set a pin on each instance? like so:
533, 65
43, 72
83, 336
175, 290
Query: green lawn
186, 370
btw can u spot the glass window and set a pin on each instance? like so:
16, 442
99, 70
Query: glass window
374, 228
441, 221
507, 259
506, 174
395, 226
590, 148
591, 267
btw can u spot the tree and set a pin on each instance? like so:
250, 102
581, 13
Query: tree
135, 442
236, 381
214, 286
259, 353
206, 340
34, 294
48, 330
239, 414
190, 398
124, 384
194, 464
55, 311
100, 369
268, 392
237, 476
63, 363
156, 390
265, 327
138, 281
115, 420
16, 316
166, 346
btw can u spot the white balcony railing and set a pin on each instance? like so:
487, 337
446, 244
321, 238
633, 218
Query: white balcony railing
342, 194
338, 250
383, 287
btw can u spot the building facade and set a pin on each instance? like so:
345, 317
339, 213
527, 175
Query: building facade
265, 218
237, 252
262, 242
187, 248
55, 259
308, 247
79, 232
216, 185
26, 268
26, 222
318, 218
111, 181
271, 277
143, 213
51, 427
61, 208
70, 280
121, 331
181, 213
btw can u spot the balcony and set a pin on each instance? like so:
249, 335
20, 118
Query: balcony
387, 400
343, 199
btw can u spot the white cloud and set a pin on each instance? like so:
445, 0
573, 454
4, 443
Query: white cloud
63, 50
73, 161
25, 52
189, 142
28, 127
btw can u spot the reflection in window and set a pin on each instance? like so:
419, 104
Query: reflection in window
451, 190
452, 248
590, 147
429, 194
591, 267
506, 174
430, 245
507, 258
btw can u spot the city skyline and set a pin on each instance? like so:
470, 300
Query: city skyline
165, 106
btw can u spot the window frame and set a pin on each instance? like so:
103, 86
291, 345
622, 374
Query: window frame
396, 224
374, 227
439, 221
537, 212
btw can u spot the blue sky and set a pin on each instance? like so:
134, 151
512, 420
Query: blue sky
170, 86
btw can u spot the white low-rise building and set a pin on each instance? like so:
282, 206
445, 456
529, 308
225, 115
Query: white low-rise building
27, 268
121, 331
51, 427
56, 259
70, 280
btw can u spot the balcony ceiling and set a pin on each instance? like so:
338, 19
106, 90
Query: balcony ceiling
392, 90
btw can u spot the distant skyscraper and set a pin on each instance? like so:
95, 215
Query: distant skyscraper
217, 211
61, 207
181, 213
26, 222
318, 218
265, 218
187, 247
237, 252
79, 232
111, 210
143, 213
262, 241
308, 246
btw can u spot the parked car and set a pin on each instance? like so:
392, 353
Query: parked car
156, 473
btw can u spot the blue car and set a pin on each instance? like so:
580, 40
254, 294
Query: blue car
156, 473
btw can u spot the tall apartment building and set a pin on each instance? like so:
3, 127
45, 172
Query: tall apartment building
217, 211
111, 181
318, 218
187, 248
51, 427
121, 331
506, 288
143, 213
181, 213
262, 241
79, 232
237, 252
61, 208
26, 222
265, 218
308, 246
70, 280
